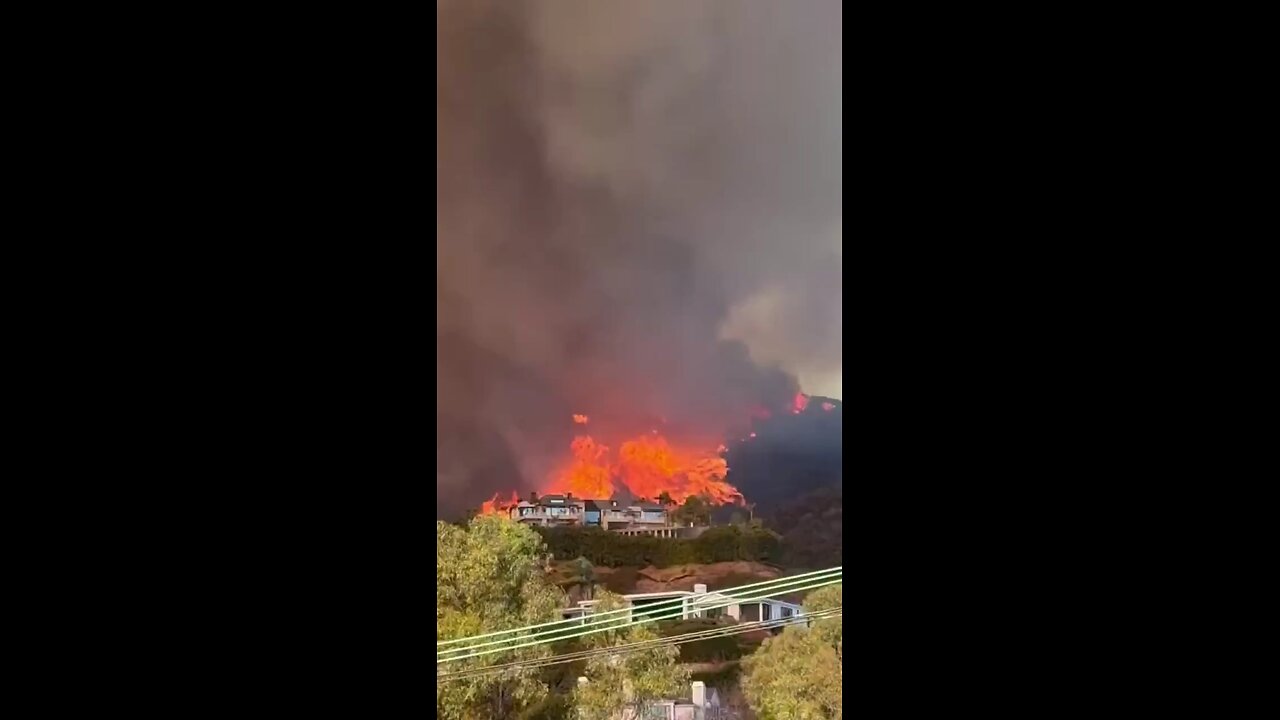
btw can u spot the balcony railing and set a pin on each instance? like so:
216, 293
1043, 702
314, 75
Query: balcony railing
543, 515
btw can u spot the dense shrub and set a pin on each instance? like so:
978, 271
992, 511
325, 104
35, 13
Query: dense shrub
717, 544
711, 649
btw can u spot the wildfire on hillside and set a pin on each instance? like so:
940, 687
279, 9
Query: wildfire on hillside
494, 506
645, 465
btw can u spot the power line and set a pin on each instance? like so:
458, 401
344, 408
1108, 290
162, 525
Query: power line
673, 640
614, 612
597, 619
620, 623
655, 642
624, 623
638, 647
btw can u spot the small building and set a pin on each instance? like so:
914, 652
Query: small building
701, 703
766, 609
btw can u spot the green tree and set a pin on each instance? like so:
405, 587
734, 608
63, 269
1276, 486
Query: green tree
828, 630
798, 675
584, 575
694, 510
631, 679
490, 576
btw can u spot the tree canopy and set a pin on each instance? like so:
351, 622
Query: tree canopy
627, 680
798, 675
489, 576
695, 510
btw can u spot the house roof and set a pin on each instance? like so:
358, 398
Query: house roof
552, 500
590, 505
650, 506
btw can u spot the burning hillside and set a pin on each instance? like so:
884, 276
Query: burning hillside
494, 505
643, 466
650, 464
597, 254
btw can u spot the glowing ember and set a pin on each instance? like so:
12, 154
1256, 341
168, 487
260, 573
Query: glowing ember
752, 435
828, 406
801, 400
580, 419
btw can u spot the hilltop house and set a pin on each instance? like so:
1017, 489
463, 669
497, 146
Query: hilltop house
627, 518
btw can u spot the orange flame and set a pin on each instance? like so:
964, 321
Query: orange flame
647, 466
587, 473
494, 506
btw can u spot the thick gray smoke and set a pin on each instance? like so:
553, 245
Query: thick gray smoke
638, 216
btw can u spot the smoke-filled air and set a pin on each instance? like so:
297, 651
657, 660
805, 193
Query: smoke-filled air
638, 239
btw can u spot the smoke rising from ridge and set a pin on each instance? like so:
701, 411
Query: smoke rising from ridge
638, 216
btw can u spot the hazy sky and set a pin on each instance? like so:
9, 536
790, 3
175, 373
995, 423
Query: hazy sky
624, 189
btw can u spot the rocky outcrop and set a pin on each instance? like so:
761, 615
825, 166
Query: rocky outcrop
715, 576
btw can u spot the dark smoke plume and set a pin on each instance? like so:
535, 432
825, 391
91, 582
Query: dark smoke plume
638, 216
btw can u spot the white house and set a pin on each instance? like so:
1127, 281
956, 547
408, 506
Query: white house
742, 611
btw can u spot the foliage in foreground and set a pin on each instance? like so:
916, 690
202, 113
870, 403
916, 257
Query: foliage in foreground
798, 674
629, 680
489, 577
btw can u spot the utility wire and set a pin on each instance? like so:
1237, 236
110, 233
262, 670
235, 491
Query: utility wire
622, 623
619, 623
681, 639
654, 642
613, 612
649, 616
673, 640
597, 619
